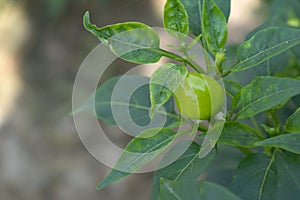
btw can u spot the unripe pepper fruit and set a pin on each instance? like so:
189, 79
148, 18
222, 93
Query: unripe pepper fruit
199, 97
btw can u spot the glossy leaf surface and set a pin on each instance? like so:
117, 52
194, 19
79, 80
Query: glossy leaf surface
264, 45
140, 151
238, 134
214, 26
264, 93
132, 41
176, 19
183, 168
289, 142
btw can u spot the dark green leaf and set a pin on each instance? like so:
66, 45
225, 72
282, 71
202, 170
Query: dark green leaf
264, 45
292, 124
224, 5
140, 151
164, 81
214, 26
132, 41
288, 170
255, 178
276, 63
232, 86
238, 134
137, 101
286, 9
188, 167
176, 19
181, 190
273, 21
193, 10
193, 190
264, 93
211, 191
289, 142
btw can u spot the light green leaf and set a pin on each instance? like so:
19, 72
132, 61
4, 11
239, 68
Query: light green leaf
238, 134
193, 190
214, 26
140, 151
255, 178
264, 45
289, 142
188, 167
164, 81
292, 124
132, 41
288, 172
131, 107
264, 93
176, 19
193, 9
211, 138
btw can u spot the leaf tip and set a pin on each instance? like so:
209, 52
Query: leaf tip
86, 19
105, 182
100, 186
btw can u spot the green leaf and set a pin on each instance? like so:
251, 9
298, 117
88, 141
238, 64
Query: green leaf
214, 26
286, 9
210, 191
193, 10
164, 81
276, 63
264, 93
211, 138
193, 190
140, 151
224, 5
176, 19
128, 98
255, 178
274, 20
132, 41
292, 124
238, 134
232, 86
264, 45
188, 167
289, 142
288, 171
175, 190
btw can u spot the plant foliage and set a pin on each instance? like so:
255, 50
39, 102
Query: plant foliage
263, 118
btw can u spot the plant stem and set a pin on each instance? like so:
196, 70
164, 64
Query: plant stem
195, 41
219, 59
179, 58
224, 74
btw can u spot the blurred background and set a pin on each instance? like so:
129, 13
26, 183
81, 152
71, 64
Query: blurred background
42, 44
